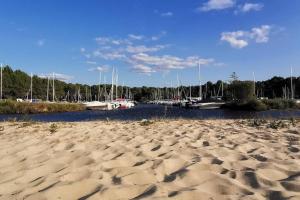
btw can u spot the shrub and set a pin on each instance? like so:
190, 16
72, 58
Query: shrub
252, 105
53, 128
256, 105
280, 103
277, 124
261, 105
242, 91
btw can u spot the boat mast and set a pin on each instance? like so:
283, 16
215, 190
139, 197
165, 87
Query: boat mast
200, 86
178, 93
254, 83
1, 81
31, 88
48, 82
86, 94
116, 81
53, 88
90, 94
190, 92
78, 97
105, 92
222, 89
112, 85
172, 90
122, 90
99, 88
292, 90
68, 96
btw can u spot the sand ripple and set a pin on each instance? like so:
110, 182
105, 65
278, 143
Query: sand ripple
209, 159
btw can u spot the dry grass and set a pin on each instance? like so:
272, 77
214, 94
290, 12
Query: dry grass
13, 107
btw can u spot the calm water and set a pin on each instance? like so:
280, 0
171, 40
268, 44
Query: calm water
152, 111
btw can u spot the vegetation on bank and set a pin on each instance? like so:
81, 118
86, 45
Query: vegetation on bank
13, 107
244, 98
262, 105
16, 84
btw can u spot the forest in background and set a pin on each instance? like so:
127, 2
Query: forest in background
16, 84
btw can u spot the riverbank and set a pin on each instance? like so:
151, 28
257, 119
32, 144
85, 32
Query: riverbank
14, 107
177, 159
263, 105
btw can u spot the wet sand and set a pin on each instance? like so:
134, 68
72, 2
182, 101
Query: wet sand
172, 159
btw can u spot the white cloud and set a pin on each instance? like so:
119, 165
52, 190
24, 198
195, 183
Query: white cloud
247, 7
82, 50
139, 57
62, 77
116, 42
135, 37
234, 39
241, 39
102, 40
160, 35
41, 42
166, 14
87, 55
251, 6
57, 76
219, 64
142, 69
143, 49
103, 68
91, 62
261, 34
167, 62
217, 5
108, 40
115, 55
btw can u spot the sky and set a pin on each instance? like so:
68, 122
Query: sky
151, 42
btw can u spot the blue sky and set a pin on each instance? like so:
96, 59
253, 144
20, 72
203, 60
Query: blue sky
149, 42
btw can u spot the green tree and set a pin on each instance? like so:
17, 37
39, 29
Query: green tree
233, 77
243, 91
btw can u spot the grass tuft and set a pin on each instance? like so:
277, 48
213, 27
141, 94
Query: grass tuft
274, 124
53, 128
146, 122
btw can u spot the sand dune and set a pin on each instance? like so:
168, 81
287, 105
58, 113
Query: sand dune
173, 159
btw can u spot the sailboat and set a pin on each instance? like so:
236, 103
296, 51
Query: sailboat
98, 105
114, 102
198, 102
120, 103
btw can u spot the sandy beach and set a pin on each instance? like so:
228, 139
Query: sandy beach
172, 159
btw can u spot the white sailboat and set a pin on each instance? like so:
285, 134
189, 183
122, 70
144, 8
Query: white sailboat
196, 102
120, 102
114, 102
98, 105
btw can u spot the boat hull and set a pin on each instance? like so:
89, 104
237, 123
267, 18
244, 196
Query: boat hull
206, 106
97, 108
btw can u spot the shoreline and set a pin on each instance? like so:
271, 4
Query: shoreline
151, 112
167, 159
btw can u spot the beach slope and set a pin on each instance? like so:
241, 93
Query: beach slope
172, 159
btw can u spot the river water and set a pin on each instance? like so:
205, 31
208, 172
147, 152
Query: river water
143, 111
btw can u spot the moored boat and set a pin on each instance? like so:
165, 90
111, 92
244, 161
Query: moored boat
96, 105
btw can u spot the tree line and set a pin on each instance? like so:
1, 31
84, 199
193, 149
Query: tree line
16, 84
